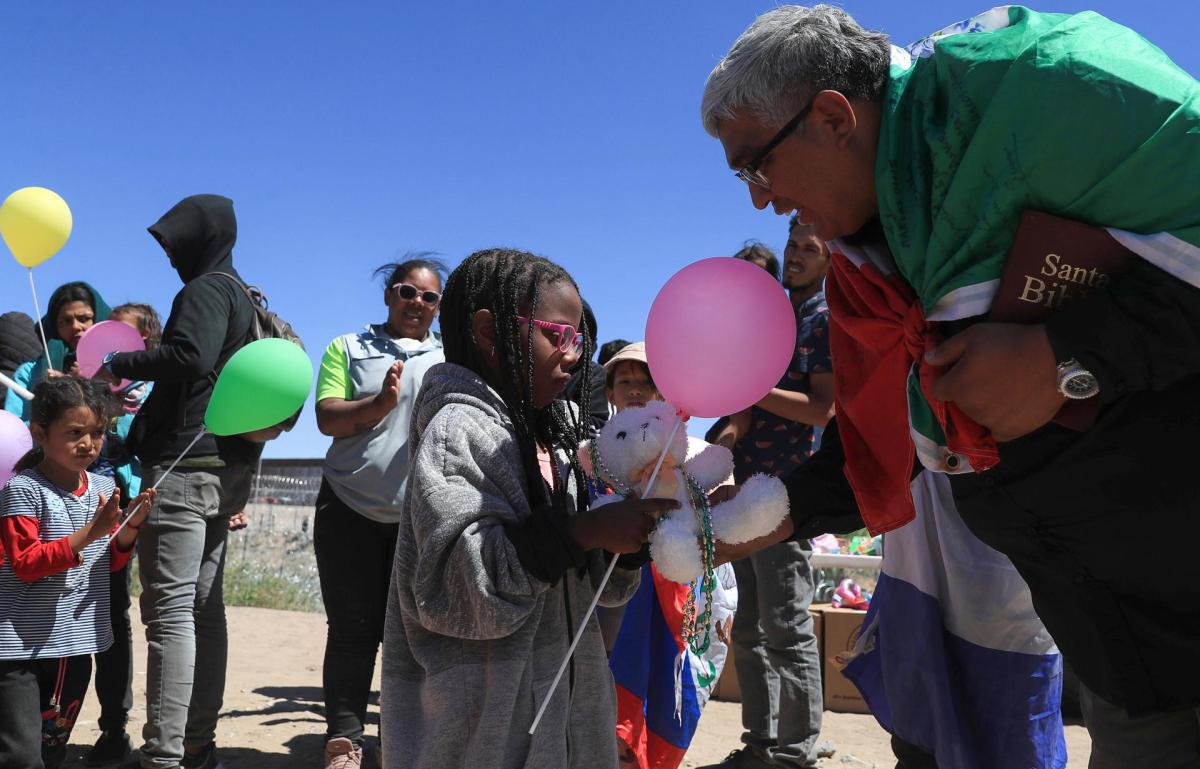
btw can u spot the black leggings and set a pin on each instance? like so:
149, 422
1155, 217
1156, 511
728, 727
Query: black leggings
39, 700
114, 666
354, 561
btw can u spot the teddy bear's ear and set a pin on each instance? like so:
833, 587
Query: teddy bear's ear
585, 457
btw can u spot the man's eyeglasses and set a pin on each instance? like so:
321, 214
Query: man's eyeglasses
750, 172
567, 338
409, 293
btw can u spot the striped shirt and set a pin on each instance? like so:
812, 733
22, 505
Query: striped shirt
66, 613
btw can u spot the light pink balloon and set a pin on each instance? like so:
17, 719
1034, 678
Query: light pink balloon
720, 335
15, 441
101, 339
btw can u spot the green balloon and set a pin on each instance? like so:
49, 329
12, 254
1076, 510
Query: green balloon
263, 384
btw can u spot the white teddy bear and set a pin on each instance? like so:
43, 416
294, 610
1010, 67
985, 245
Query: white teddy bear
623, 456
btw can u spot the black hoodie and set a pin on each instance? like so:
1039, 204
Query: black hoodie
210, 320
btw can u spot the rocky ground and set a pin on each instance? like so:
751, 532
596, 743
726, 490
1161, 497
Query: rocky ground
273, 711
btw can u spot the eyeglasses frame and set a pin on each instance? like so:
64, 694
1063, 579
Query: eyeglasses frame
750, 172
560, 329
420, 295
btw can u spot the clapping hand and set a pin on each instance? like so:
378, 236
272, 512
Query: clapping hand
389, 393
139, 509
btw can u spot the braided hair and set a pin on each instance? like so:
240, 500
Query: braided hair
509, 283
54, 397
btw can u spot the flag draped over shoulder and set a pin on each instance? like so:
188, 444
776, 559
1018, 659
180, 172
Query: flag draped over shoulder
1073, 115
952, 657
643, 665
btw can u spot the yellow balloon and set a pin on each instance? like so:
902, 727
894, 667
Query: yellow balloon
35, 223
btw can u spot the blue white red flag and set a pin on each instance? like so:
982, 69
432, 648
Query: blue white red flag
952, 657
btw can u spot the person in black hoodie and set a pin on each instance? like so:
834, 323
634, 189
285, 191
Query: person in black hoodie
181, 550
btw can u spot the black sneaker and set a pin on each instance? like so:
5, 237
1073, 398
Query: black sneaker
135, 762
111, 748
53, 756
205, 759
745, 758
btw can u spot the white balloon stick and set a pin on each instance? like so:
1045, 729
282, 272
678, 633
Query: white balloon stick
18, 389
38, 311
129, 517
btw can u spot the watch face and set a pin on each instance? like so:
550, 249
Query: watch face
1080, 385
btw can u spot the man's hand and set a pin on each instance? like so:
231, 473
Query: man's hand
723, 494
727, 552
238, 521
1002, 375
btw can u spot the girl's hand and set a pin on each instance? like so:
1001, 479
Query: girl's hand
108, 515
140, 506
139, 509
622, 527
108, 512
53, 373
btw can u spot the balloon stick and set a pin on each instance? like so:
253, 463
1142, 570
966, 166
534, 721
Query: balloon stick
38, 311
162, 478
18, 389
596, 598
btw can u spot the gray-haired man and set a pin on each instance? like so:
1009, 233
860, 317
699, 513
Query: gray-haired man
918, 165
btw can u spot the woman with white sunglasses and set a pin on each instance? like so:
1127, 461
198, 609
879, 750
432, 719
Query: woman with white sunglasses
365, 390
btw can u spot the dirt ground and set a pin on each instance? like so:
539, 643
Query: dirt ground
273, 710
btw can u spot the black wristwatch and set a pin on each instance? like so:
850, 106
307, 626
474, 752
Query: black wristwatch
1076, 382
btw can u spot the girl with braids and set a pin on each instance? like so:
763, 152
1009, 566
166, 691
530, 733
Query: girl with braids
498, 556
56, 521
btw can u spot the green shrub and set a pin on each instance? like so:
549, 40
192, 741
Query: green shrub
264, 587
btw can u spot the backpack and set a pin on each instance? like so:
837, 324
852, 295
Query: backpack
265, 324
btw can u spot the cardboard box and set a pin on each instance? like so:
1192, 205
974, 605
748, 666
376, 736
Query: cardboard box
841, 628
728, 690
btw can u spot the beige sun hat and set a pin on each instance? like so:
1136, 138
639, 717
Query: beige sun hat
635, 351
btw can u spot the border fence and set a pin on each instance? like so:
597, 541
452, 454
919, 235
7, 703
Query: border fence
270, 563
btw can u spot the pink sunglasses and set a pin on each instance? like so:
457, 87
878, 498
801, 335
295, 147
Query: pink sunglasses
568, 337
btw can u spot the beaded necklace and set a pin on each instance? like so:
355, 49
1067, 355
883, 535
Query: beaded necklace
606, 475
695, 631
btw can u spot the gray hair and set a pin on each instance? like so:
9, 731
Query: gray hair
788, 54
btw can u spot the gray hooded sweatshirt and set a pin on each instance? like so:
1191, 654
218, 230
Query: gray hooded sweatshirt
472, 640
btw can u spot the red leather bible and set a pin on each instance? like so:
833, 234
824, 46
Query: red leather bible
1054, 261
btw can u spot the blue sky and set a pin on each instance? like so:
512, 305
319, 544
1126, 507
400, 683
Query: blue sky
350, 133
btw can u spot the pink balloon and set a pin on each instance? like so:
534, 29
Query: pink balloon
15, 441
720, 335
101, 339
